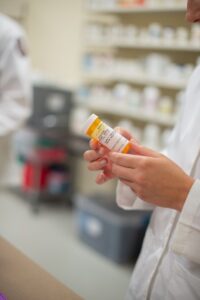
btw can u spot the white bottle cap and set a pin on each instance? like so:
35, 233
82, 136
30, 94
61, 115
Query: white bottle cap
89, 122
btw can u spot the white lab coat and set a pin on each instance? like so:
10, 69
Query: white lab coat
15, 91
168, 267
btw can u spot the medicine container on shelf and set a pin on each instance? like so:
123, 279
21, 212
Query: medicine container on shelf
137, 60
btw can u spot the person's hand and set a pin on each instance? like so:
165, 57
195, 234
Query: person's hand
98, 159
152, 176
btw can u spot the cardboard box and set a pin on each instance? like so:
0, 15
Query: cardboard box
22, 279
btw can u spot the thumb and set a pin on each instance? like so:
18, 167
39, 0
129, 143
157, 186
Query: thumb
124, 133
141, 150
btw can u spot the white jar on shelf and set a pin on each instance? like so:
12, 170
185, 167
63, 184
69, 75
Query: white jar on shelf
165, 136
168, 35
182, 35
115, 33
154, 33
155, 64
151, 97
151, 136
121, 93
130, 34
135, 99
166, 106
195, 35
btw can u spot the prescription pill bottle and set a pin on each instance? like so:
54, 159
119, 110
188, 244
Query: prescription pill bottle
95, 128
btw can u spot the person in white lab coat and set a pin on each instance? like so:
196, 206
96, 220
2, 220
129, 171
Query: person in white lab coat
15, 89
168, 267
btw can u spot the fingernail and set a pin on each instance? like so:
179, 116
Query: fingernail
133, 141
100, 178
103, 162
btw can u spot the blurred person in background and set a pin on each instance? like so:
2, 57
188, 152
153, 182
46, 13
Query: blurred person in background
168, 267
15, 89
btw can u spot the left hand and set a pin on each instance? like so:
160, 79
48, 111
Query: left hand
152, 176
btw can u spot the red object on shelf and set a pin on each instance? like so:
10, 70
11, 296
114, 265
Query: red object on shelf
50, 155
132, 3
34, 177
36, 168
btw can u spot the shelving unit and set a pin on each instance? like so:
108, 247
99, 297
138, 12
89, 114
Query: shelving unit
180, 53
147, 45
132, 113
135, 10
139, 80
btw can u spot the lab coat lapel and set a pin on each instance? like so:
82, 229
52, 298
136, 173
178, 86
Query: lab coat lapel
186, 144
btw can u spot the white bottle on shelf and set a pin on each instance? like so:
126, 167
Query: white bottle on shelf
151, 136
150, 99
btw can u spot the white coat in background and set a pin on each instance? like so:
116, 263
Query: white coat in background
15, 91
168, 267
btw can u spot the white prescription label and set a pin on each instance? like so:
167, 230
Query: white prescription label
109, 138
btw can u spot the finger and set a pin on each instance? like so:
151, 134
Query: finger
103, 151
125, 160
94, 144
141, 150
97, 165
102, 178
91, 155
123, 172
124, 132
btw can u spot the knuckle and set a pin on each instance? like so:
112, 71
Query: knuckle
118, 160
115, 170
145, 163
94, 166
140, 178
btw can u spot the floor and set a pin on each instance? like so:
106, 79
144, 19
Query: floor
49, 238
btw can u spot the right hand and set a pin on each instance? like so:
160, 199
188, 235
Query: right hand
98, 159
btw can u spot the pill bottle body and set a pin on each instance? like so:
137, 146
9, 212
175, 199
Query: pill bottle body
95, 128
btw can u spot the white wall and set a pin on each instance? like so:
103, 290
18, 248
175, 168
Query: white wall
54, 29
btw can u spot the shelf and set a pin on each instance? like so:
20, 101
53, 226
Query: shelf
140, 80
144, 45
135, 10
133, 113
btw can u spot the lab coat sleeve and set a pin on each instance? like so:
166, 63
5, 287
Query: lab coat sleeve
128, 200
186, 239
15, 90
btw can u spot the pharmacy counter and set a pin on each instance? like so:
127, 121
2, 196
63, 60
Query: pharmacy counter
22, 279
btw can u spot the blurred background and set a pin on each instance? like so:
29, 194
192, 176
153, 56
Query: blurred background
129, 62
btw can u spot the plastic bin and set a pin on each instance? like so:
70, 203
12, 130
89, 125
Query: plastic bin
51, 107
113, 232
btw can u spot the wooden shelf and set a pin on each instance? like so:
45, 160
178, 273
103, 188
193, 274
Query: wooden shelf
135, 10
145, 45
139, 80
133, 113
